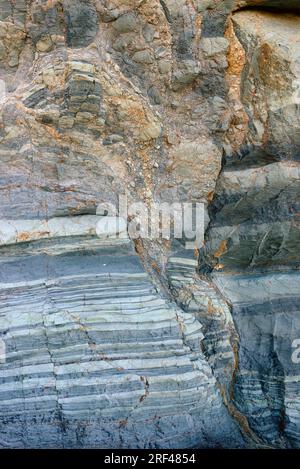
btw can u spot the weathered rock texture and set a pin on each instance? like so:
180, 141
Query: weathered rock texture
96, 357
148, 345
252, 243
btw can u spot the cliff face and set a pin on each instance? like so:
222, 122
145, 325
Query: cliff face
116, 342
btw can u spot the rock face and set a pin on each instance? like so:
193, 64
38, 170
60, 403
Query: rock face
107, 341
252, 244
270, 82
96, 357
265, 310
272, 4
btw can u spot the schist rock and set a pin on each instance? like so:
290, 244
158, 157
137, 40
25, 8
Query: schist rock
108, 341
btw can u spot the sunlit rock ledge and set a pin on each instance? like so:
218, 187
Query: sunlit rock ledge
21, 231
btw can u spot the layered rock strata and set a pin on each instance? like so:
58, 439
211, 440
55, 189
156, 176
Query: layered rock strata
97, 357
265, 309
110, 342
252, 244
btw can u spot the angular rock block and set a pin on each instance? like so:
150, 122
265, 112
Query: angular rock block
82, 22
270, 79
255, 221
272, 4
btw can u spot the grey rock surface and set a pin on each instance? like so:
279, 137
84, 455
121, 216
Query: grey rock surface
96, 357
265, 310
141, 343
251, 250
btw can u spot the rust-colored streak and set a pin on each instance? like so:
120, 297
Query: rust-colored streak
221, 249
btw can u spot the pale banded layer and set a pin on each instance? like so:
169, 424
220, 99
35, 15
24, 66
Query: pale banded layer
198, 297
98, 346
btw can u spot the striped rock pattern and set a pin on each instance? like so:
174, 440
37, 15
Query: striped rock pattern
165, 101
96, 357
255, 214
251, 250
199, 297
252, 244
265, 310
